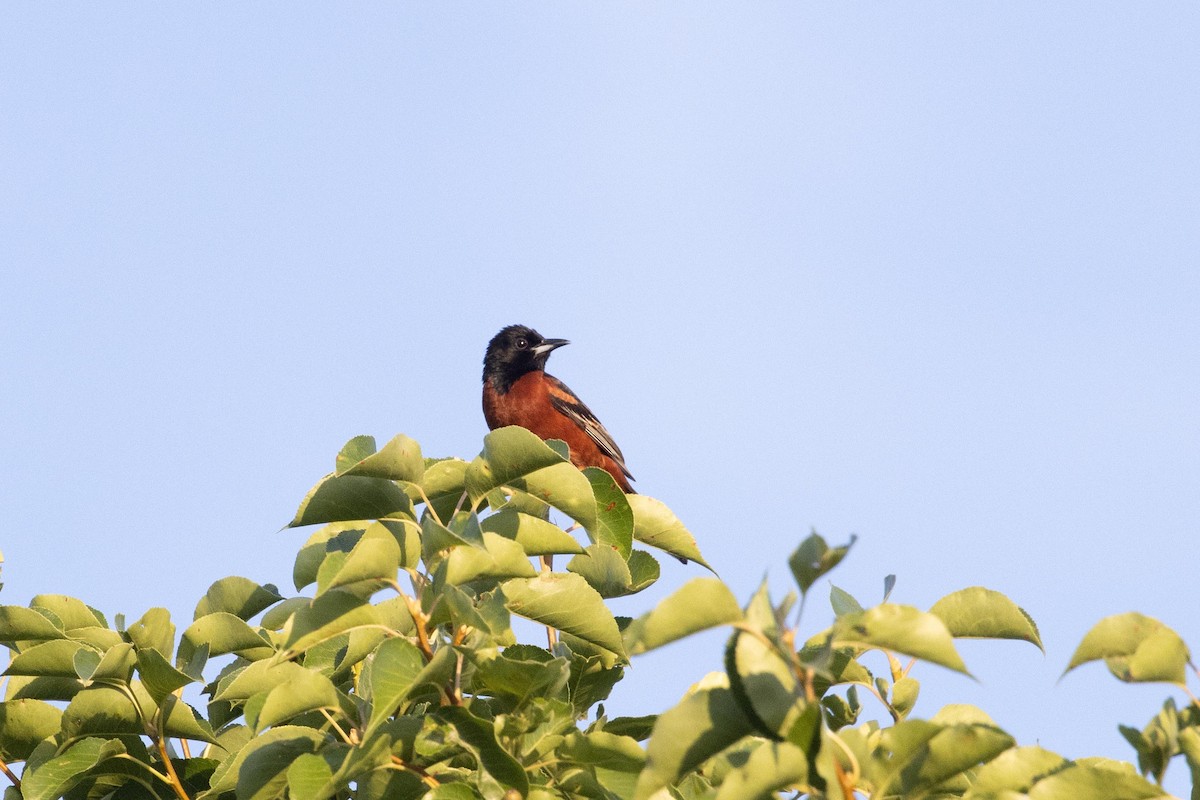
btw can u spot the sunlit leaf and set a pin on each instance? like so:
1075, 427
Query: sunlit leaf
303, 691
604, 569
701, 725
394, 672
654, 524
536, 536
1136, 647
508, 454
327, 616
53, 658
222, 633
499, 559
902, 629
350, 497
399, 460
614, 517
241, 597
69, 613
699, 604
1015, 770
978, 613
566, 602
771, 768
18, 624
259, 770
54, 775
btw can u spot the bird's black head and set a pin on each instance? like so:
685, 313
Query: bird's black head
514, 351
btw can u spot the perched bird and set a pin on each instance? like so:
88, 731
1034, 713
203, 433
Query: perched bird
517, 391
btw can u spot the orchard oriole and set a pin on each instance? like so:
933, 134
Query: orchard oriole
517, 391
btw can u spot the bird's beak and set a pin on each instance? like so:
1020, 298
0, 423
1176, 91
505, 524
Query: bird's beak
548, 345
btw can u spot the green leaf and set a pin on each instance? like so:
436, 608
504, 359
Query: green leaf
1095, 780
444, 483
52, 776
564, 487
1015, 770
565, 601
478, 737
241, 597
327, 616
310, 778
655, 525
53, 658
536, 536
604, 569
350, 497
843, 602
1136, 648
303, 691
158, 676
520, 673
19, 624
485, 612
436, 537
28, 688
814, 558
508, 454
154, 631
375, 560
764, 684
614, 517
394, 672
222, 633
760, 675
698, 605
902, 629
24, 724
978, 613
499, 559
643, 571
72, 613
101, 710
258, 677
772, 767
703, 724
259, 770
182, 720
616, 760
352, 452
925, 754
399, 460
336, 537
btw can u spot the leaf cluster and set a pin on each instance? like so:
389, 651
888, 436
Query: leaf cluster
396, 671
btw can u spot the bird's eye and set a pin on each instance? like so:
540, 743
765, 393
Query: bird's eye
522, 343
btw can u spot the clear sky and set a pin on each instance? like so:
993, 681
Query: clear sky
926, 273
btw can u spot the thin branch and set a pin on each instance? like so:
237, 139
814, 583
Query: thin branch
4, 768
429, 505
551, 634
329, 717
176, 784
429, 780
419, 619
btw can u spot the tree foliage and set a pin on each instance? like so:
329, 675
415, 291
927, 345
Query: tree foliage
398, 674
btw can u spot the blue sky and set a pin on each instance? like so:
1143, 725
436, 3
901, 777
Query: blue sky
923, 273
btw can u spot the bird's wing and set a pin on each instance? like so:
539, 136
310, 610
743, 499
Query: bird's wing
569, 404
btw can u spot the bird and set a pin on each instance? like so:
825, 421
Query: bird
518, 391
